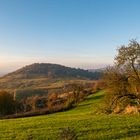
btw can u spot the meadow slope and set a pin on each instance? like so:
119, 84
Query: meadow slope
88, 124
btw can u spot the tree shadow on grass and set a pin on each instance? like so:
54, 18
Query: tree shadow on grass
91, 99
85, 104
97, 97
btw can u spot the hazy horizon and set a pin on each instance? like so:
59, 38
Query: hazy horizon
11, 68
75, 33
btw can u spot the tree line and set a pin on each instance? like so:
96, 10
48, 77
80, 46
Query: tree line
45, 104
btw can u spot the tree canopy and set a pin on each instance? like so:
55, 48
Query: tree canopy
129, 59
7, 104
123, 78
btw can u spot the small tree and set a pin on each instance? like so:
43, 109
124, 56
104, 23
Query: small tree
7, 104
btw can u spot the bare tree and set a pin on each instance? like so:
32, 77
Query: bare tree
129, 59
123, 79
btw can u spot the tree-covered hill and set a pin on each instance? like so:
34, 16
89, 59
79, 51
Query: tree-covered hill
52, 71
43, 75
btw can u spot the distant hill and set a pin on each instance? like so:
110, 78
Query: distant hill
44, 74
48, 70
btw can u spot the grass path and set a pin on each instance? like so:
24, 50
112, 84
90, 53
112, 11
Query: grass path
88, 125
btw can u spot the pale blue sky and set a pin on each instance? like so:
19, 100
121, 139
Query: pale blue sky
77, 33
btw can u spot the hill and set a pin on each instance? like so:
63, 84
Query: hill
40, 75
51, 71
84, 119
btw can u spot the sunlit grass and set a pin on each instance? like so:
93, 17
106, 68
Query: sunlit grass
88, 124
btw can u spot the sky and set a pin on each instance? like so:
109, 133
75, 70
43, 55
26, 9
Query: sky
75, 33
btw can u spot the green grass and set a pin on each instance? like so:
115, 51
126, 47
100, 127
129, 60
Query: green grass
88, 124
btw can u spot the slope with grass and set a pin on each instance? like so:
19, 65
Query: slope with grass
89, 125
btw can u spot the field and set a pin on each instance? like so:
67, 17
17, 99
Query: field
89, 124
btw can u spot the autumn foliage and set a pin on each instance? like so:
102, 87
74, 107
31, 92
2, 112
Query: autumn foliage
123, 79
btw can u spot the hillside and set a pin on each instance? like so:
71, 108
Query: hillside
51, 71
44, 74
87, 123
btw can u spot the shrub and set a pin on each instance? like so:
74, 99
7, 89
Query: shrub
7, 103
69, 104
68, 134
29, 137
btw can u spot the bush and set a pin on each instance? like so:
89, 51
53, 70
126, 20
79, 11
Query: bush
68, 134
7, 103
69, 104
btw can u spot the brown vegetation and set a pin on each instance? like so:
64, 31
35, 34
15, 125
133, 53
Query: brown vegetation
7, 103
123, 80
44, 104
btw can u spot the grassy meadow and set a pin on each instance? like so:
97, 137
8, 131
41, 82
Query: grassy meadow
88, 124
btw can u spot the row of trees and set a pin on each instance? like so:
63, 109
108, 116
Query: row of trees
42, 104
123, 79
